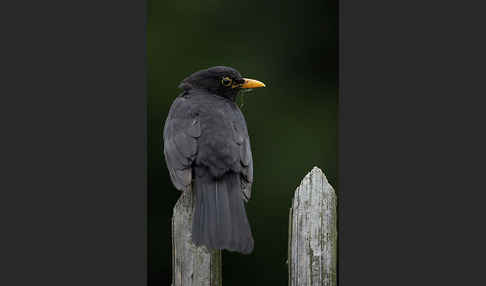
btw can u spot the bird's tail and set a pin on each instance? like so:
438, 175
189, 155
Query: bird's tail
220, 220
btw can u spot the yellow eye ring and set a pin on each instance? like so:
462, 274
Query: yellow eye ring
226, 81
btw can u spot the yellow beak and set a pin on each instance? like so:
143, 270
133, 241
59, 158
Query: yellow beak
252, 83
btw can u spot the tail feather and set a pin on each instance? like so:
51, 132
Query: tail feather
220, 220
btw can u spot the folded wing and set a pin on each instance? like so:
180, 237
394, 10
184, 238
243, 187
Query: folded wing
246, 160
181, 130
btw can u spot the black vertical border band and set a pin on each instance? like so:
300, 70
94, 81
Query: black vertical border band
74, 145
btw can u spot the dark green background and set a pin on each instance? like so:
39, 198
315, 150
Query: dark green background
291, 47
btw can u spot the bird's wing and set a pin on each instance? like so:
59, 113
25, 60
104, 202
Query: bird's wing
181, 130
247, 171
243, 140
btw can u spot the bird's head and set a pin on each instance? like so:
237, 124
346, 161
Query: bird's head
220, 80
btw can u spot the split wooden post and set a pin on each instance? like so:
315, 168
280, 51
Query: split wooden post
191, 265
312, 257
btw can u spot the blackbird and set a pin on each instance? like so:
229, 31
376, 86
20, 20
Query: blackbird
206, 146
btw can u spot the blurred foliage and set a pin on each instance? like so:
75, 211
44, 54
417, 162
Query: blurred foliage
290, 46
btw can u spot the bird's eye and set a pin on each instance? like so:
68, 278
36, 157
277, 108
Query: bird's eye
226, 81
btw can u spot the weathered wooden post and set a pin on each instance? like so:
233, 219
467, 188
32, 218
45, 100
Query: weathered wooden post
191, 265
313, 233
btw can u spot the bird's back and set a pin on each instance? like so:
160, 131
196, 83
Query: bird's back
223, 128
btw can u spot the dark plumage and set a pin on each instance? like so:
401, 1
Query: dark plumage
206, 145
